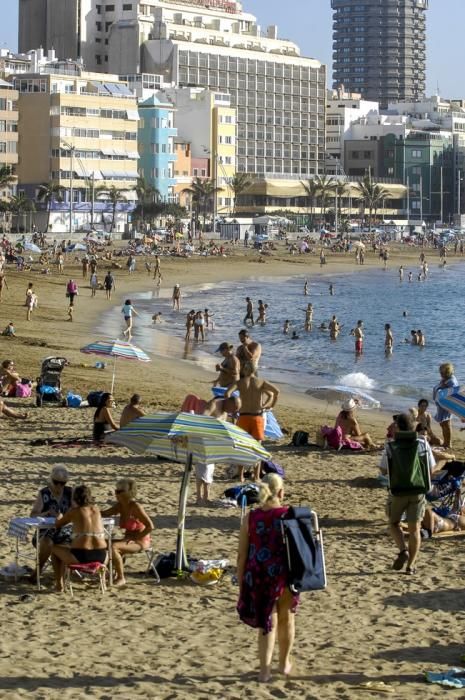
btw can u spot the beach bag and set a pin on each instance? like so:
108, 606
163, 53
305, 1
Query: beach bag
408, 470
165, 565
93, 399
73, 400
300, 438
304, 550
249, 492
23, 391
269, 467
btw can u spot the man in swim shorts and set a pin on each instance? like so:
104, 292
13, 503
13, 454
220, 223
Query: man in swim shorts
249, 312
256, 395
358, 334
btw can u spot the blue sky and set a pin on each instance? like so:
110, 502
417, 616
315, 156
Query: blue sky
308, 23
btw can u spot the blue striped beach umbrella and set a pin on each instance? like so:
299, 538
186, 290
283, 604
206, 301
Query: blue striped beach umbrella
452, 400
189, 438
115, 349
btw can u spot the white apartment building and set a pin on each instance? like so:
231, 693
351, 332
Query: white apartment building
279, 96
342, 109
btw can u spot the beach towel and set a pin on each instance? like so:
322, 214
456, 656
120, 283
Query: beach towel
450, 678
336, 440
193, 404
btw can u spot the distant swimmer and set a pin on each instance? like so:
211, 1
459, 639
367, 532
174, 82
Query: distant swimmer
413, 340
323, 326
305, 288
357, 332
405, 314
249, 312
331, 290
294, 336
410, 276
286, 327
156, 318
421, 340
262, 312
334, 328
309, 317
388, 339
401, 273
208, 318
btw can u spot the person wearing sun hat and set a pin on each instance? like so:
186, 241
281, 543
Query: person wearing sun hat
230, 367
348, 423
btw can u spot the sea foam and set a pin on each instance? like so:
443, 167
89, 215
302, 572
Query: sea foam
357, 379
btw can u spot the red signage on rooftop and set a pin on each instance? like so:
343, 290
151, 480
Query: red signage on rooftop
225, 5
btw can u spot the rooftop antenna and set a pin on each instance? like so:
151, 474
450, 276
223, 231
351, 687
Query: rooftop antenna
438, 91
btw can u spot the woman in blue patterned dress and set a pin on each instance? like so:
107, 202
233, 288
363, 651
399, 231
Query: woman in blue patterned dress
265, 601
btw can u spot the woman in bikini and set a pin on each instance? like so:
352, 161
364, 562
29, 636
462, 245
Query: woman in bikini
134, 520
88, 545
103, 420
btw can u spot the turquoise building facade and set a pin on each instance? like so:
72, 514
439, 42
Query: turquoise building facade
156, 146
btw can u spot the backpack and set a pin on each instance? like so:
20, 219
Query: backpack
408, 470
300, 438
304, 548
93, 399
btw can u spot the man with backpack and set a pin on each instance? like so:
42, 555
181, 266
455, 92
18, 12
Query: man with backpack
409, 462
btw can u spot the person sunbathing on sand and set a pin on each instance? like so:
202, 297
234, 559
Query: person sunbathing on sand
350, 428
434, 523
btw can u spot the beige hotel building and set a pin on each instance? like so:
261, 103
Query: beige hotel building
79, 130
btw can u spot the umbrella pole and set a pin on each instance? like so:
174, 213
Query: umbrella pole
181, 559
114, 375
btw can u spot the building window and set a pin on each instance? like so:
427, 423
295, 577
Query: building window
127, 7
417, 153
109, 8
98, 26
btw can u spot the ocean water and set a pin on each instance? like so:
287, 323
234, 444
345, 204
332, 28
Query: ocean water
436, 306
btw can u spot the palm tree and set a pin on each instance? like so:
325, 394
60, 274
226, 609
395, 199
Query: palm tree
7, 178
371, 195
239, 183
114, 195
49, 193
20, 205
340, 190
146, 194
325, 187
311, 190
202, 192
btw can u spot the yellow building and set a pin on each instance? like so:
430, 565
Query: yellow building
223, 153
8, 130
78, 130
207, 120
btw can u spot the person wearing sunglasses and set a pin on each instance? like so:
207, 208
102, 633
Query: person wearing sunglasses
52, 500
134, 521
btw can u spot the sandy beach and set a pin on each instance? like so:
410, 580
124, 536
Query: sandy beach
176, 639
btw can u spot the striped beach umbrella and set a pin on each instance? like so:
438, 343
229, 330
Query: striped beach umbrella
115, 349
452, 400
188, 438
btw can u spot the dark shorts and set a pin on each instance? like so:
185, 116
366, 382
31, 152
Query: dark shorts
71, 296
89, 556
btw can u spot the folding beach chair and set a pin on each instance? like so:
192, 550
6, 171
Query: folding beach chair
93, 569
